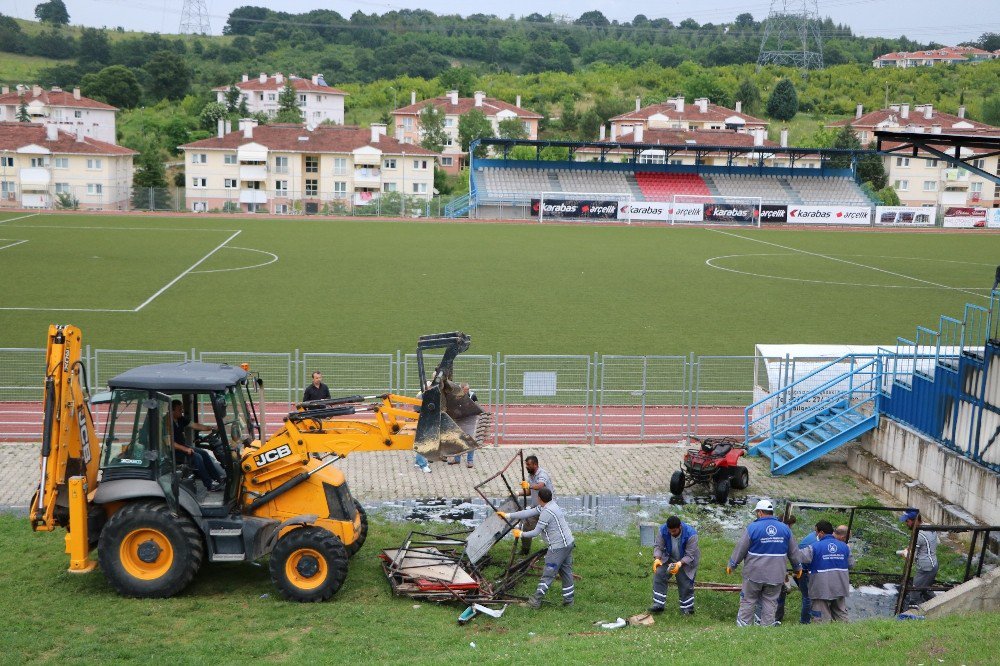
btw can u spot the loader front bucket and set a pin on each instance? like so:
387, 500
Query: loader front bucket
449, 424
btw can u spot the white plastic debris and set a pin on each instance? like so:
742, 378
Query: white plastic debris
489, 611
265, 595
617, 624
472, 645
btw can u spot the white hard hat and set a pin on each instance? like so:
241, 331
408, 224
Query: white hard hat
764, 505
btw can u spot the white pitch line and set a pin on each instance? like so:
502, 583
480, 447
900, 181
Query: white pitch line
274, 258
63, 226
20, 217
852, 263
12, 244
64, 309
191, 268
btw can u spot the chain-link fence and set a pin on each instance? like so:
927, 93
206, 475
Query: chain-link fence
535, 399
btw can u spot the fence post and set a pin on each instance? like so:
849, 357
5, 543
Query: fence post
642, 412
592, 399
691, 399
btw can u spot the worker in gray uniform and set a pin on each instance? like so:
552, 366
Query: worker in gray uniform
537, 479
675, 553
765, 545
829, 561
924, 559
552, 526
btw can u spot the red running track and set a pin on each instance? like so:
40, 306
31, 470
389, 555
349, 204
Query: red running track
514, 425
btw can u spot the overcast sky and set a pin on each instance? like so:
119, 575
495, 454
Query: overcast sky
943, 21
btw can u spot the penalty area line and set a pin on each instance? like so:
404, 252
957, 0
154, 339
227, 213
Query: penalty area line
189, 270
19, 217
4, 247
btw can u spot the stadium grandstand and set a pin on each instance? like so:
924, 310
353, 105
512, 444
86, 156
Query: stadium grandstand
695, 167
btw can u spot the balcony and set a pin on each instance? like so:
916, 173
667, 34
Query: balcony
34, 178
955, 177
253, 172
253, 196
367, 177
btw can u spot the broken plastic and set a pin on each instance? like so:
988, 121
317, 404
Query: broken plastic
617, 624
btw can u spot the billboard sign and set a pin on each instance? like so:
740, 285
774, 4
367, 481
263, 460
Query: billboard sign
965, 217
576, 209
861, 215
661, 211
906, 216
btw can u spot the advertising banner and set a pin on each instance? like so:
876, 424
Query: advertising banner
994, 218
576, 209
773, 214
662, 211
829, 215
906, 216
964, 217
730, 212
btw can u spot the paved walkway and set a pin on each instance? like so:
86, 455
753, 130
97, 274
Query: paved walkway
575, 470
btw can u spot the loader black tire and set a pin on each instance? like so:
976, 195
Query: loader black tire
309, 564
741, 478
677, 483
146, 551
360, 541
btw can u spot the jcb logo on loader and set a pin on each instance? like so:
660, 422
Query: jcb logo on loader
282, 451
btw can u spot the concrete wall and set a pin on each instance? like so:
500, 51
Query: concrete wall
978, 594
947, 488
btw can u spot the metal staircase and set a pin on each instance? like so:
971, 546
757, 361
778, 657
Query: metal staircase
815, 414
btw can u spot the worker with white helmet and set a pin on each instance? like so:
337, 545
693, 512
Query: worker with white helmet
764, 547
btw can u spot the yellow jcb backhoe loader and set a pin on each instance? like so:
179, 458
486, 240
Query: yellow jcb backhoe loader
154, 524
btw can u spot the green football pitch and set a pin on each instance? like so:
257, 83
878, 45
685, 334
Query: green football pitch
266, 284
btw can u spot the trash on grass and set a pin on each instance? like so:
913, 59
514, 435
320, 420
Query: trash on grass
617, 624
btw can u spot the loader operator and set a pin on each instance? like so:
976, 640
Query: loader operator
552, 526
675, 553
765, 545
538, 478
200, 459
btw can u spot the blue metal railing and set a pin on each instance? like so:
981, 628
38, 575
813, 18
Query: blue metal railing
457, 206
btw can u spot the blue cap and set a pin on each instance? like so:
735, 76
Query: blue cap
910, 514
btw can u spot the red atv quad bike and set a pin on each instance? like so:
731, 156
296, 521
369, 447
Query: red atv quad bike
716, 462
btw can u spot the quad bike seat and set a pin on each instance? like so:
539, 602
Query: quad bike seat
716, 449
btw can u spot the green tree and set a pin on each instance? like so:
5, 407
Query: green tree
232, 97
512, 128
94, 46
432, 134
288, 105
22, 112
169, 77
474, 125
461, 79
592, 18
783, 103
149, 181
211, 115
991, 110
569, 118
116, 85
870, 168
52, 12
749, 95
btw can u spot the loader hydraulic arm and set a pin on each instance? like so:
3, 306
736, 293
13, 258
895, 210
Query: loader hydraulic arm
70, 447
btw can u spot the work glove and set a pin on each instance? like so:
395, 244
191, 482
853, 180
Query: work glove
502, 515
675, 568
525, 485
517, 533
797, 574
656, 565
729, 570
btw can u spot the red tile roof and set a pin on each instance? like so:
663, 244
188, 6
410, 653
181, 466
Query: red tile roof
672, 137
14, 136
54, 98
916, 118
490, 107
322, 139
271, 83
943, 53
690, 112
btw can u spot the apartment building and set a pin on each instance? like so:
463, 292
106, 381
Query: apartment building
946, 55
286, 168
42, 166
925, 179
406, 121
676, 114
67, 111
318, 101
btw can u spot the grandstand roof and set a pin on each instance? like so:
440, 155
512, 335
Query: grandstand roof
672, 109
490, 107
290, 137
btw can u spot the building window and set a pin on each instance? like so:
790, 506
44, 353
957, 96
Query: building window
312, 164
389, 163
281, 209
932, 164
39, 162
318, 98
281, 188
930, 186
389, 187
94, 164
903, 162
271, 97
95, 188
229, 158
6, 161
340, 189
61, 162
979, 164
312, 187
230, 183
449, 142
196, 158
408, 122
199, 182
339, 166
419, 164
78, 114
302, 100
976, 188
7, 189
447, 161
62, 188
449, 122
901, 185
281, 165
420, 188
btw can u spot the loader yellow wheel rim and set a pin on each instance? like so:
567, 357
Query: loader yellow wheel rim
306, 569
146, 554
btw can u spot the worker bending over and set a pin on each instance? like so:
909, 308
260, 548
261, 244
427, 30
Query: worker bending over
675, 553
552, 526
829, 560
538, 478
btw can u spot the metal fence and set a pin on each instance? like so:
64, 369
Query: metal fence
536, 399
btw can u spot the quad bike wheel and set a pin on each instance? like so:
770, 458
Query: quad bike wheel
741, 478
147, 551
309, 564
360, 541
677, 483
722, 490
